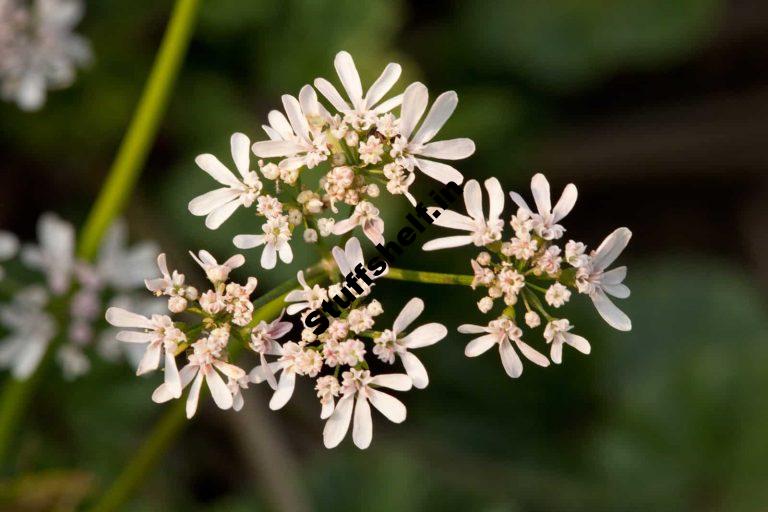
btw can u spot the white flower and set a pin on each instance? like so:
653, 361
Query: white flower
213, 271
363, 109
407, 148
121, 266
167, 283
394, 342
574, 254
522, 247
39, 49
289, 364
55, 254
557, 295
481, 231
73, 361
9, 246
277, 234
236, 387
556, 333
599, 283
485, 304
327, 388
292, 138
351, 258
545, 222
350, 352
306, 298
358, 389
366, 216
549, 262
203, 363
501, 331
30, 330
325, 226
161, 336
399, 181
264, 342
371, 150
219, 205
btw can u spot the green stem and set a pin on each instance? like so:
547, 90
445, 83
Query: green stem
418, 276
143, 128
170, 424
120, 182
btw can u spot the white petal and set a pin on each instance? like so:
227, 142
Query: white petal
580, 343
286, 253
396, 381
471, 329
415, 370
28, 359
135, 337
415, 101
540, 190
425, 335
409, 313
350, 79
216, 169
331, 94
614, 276
495, 197
217, 217
275, 148
611, 248
120, 317
259, 373
620, 291
341, 260
447, 242
344, 226
279, 123
386, 106
383, 84
615, 317
392, 408
510, 360
362, 428
519, 201
473, 200
480, 345
268, 256
284, 390
296, 117
221, 394
453, 149
295, 308
353, 252
338, 424
453, 220
439, 171
241, 153
441, 111
532, 354
194, 395
327, 410
556, 352
566, 202
151, 359
9, 245
248, 241
172, 378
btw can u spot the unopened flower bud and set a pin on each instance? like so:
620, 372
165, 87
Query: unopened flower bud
532, 319
270, 171
310, 236
294, 217
352, 139
177, 304
484, 258
372, 190
485, 304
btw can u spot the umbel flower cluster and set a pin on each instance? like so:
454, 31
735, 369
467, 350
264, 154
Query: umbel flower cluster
68, 303
528, 269
38, 48
319, 159
224, 323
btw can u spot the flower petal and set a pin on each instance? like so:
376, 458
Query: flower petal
615, 317
441, 111
396, 381
580, 343
217, 217
392, 408
480, 345
248, 241
495, 198
240, 145
284, 390
532, 354
120, 317
453, 149
610, 249
331, 94
565, 203
447, 242
194, 395
221, 394
350, 79
439, 171
540, 190
296, 117
408, 314
275, 148
338, 424
510, 360
415, 101
362, 428
216, 170
425, 335
415, 370
383, 84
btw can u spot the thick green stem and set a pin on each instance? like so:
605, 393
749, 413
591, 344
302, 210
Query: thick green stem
143, 128
418, 276
173, 420
120, 182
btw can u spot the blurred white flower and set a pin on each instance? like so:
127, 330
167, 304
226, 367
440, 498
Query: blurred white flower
9, 246
30, 330
55, 254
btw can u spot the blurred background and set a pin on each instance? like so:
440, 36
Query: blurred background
655, 109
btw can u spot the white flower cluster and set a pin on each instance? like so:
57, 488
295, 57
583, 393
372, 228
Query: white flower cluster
530, 265
38, 48
71, 301
355, 149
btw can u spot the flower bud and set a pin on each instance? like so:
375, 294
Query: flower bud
485, 304
177, 304
532, 319
310, 236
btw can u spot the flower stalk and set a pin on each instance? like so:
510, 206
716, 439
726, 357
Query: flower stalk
418, 276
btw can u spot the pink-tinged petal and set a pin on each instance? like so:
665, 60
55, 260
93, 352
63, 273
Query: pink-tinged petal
615, 317
532, 354
135, 337
248, 241
386, 106
331, 94
279, 123
294, 162
580, 343
341, 260
453, 149
441, 111
396, 381
415, 370
556, 352
260, 373
510, 360
415, 99
473, 200
353, 252
362, 428
425, 335
495, 198
614, 276
350, 79
216, 170
164, 393
480, 345
172, 378
392, 408
296, 117
150, 360
210, 201
383, 84
268, 372
453, 220
409, 313
120, 317
472, 329
216, 218
296, 296
295, 308
338, 424
235, 261
207, 258
229, 369
221, 394
286, 253
268, 256
327, 410
540, 190
620, 291
373, 231
344, 226
439, 171
519, 201
610, 249
284, 391
194, 395
447, 242
275, 148
241, 153
565, 203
